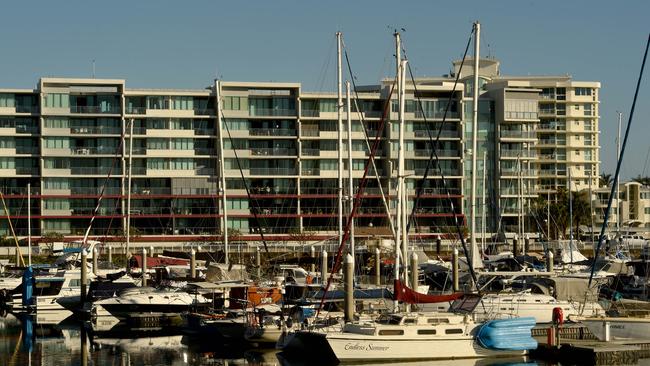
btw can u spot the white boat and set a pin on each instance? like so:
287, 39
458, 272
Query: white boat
410, 337
612, 328
527, 304
148, 300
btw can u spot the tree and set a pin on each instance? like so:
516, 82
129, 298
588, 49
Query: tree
643, 180
605, 180
52, 237
559, 211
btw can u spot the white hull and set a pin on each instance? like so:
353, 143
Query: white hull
538, 306
347, 348
619, 328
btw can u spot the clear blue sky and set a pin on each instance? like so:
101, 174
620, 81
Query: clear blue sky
185, 44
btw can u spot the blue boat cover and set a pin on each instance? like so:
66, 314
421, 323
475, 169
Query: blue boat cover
507, 334
28, 286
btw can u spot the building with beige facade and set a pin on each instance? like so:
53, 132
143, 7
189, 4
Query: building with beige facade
263, 156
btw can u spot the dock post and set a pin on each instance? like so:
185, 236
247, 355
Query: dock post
312, 254
414, 271
192, 263
549, 261
17, 257
84, 275
95, 255
606, 331
454, 268
110, 254
348, 274
144, 267
323, 267
514, 245
377, 266
151, 252
258, 263
438, 244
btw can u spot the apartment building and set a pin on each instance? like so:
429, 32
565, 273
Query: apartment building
632, 206
271, 149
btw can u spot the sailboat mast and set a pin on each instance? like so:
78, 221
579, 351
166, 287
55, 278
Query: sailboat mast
570, 216
472, 207
339, 112
128, 194
618, 179
222, 171
398, 208
29, 223
350, 178
401, 173
483, 205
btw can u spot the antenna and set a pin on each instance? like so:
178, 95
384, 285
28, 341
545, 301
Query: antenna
93, 68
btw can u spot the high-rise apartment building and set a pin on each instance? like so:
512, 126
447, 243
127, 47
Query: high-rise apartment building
272, 150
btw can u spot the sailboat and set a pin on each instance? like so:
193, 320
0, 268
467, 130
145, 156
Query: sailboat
407, 336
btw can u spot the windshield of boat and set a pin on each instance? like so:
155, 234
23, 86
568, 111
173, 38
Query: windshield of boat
389, 319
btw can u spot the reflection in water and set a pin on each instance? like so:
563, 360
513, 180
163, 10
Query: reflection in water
51, 339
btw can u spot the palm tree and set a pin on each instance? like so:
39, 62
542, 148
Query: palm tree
643, 180
606, 180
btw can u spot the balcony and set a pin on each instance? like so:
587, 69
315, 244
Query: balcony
518, 154
310, 152
203, 151
517, 172
273, 152
27, 171
434, 133
435, 172
95, 109
310, 132
27, 109
272, 171
272, 132
441, 153
310, 171
136, 110
96, 130
94, 171
439, 114
521, 115
310, 113
99, 150
517, 134
26, 129
270, 112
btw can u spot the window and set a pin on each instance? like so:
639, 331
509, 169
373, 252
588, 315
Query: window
56, 183
427, 331
561, 109
57, 143
184, 103
182, 164
160, 164
391, 332
240, 224
156, 102
453, 331
588, 109
232, 103
238, 125
183, 144
237, 203
62, 226
57, 204
328, 164
181, 124
583, 91
57, 122
438, 321
327, 105
7, 101
56, 100
157, 144
157, 124
56, 163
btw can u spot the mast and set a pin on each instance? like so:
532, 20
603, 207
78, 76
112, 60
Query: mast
222, 164
350, 178
570, 217
398, 208
472, 207
339, 128
618, 179
483, 205
401, 165
128, 193
29, 224
591, 211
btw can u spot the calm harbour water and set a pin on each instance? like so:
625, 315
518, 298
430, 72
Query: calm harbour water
38, 342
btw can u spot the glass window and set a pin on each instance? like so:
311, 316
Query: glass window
57, 100
184, 103
56, 183
181, 124
156, 102
57, 143
7, 101
157, 144
183, 144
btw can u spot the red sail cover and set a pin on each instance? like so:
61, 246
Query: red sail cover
407, 295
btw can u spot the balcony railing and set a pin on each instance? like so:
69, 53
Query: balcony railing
136, 110
434, 133
310, 132
310, 113
435, 172
521, 115
273, 151
27, 109
96, 109
272, 132
310, 171
203, 151
26, 129
436, 114
441, 152
96, 130
107, 150
273, 171
310, 152
518, 153
271, 112
518, 134
26, 171
94, 171
204, 131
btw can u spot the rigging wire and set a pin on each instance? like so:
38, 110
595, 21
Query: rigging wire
434, 158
